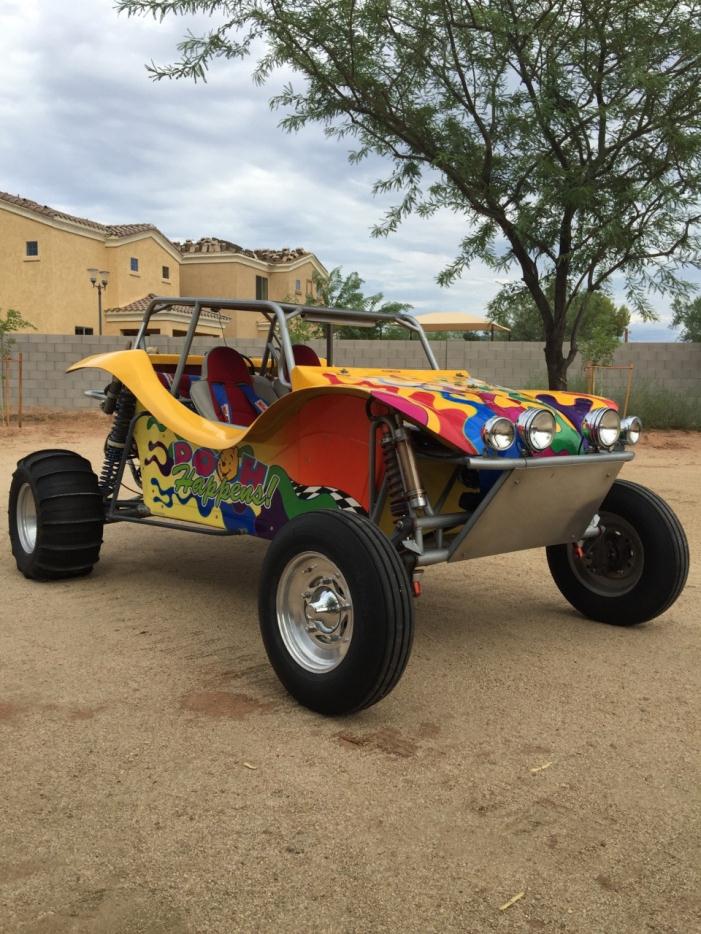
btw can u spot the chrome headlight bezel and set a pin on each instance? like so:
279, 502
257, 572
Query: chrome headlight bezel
530, 425
596, 430
493, 427
631, 429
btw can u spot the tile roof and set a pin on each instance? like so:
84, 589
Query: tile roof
219, 245
189, 247
110, 230
140, 305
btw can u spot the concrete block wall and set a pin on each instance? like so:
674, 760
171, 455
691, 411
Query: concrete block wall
676, 367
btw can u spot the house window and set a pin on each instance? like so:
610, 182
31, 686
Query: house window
32, 247
165, 272
134, 264
261, 288
84, 331
310, 287
298, 285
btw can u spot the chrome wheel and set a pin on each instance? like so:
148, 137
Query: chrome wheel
611, 564
314, 612
27, 518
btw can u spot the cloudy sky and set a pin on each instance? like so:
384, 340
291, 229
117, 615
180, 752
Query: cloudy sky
85, 130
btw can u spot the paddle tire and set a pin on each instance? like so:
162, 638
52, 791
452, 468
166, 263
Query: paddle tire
335, 610
632, 572
55, 515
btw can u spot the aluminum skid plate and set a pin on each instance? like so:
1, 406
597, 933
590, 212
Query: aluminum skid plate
530, 507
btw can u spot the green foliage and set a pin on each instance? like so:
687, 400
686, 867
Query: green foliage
687, 315
339, 291
9, 323
664, 408
658, 407
565, 134
301, 332
600, 325
456, 335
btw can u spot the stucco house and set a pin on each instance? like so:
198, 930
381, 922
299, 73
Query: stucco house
45, 255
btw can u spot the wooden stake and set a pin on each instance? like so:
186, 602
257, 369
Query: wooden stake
20, 389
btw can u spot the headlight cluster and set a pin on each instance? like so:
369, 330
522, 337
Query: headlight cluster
535, 427
603, 429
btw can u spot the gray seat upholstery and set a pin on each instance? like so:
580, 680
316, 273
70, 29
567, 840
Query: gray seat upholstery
202, 400
265, 389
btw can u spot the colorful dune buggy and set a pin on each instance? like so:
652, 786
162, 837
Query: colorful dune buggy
362, 478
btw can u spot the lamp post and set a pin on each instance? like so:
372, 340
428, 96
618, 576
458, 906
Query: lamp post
99, 279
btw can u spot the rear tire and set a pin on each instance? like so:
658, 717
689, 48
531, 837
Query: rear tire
56, 515
635, 570
336, 613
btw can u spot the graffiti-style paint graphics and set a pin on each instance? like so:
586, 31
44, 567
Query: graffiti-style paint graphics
455, 406
229, 489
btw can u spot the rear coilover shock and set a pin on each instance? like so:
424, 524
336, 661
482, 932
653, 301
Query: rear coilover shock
122, 402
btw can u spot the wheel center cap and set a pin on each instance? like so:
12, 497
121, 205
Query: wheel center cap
323, 609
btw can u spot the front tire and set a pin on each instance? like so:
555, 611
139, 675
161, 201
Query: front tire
336, 614
55, 515
632, 572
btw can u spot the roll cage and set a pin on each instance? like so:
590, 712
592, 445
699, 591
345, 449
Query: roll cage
278, 344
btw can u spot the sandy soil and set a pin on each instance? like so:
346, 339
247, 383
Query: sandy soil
154, 777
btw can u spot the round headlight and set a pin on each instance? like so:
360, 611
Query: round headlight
536, 428
498, 432
631, 429
602, 427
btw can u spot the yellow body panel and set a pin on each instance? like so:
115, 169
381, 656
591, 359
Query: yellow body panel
134, 368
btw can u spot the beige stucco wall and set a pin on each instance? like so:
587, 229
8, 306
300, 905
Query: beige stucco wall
53, 291
126, 286
235, 278
283, 282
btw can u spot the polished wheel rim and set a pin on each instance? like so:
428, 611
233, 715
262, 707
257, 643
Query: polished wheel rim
612, 563
27, 518
314, 612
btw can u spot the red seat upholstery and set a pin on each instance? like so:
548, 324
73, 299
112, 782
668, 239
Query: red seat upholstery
305, 356
166, 380
231, 387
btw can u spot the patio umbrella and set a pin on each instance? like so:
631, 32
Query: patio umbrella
458, 321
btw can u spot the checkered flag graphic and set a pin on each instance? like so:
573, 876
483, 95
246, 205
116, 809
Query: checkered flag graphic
345, 502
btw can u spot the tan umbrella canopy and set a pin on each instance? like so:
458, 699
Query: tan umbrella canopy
458, 321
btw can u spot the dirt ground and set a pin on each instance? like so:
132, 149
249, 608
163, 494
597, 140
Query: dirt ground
154, 777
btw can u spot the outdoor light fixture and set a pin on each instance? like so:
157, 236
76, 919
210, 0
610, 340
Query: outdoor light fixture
499, 433
536, 428
99, 279
631, 429
602, 427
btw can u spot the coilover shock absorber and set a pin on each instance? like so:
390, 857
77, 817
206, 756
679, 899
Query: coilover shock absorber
123, 403
403, 482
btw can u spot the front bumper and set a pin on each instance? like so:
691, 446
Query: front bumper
536, 502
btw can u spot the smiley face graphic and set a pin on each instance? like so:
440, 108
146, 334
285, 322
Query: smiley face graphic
228, 465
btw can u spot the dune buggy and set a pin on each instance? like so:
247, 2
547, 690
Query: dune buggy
361, 478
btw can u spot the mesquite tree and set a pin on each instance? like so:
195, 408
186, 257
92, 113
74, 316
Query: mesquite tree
567, 133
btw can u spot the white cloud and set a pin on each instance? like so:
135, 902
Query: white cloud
86, 130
